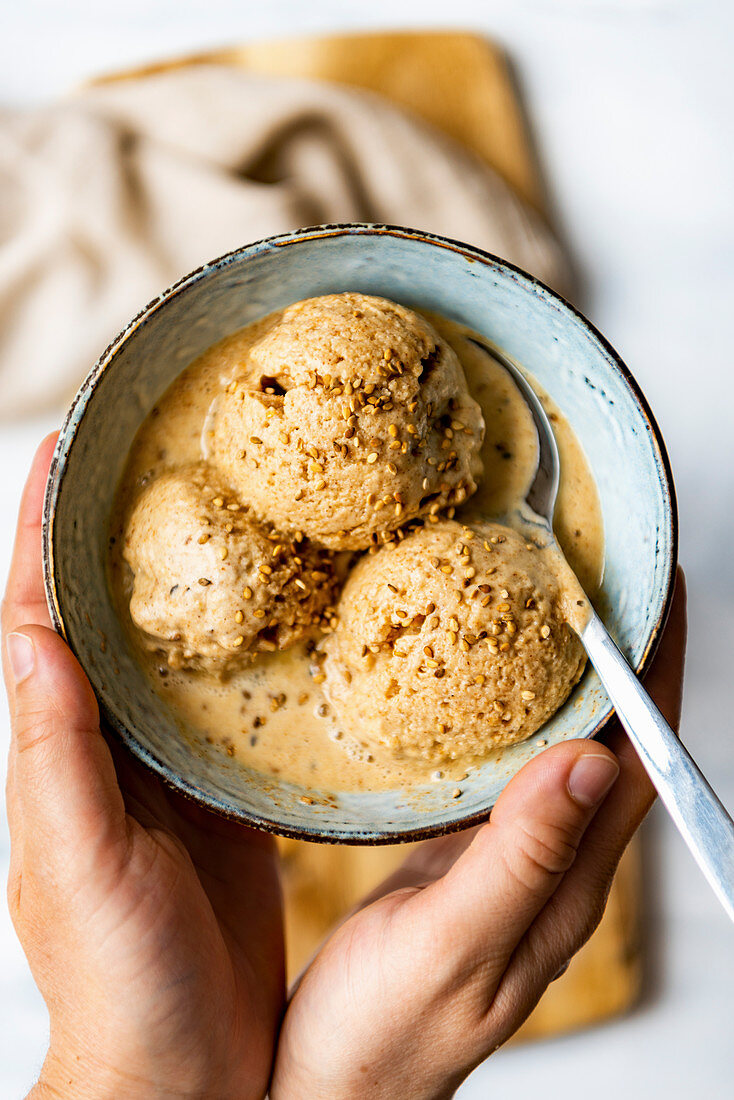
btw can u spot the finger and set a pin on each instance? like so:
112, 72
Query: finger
627, 804
25, 600
65, 789
577, 906
489, 898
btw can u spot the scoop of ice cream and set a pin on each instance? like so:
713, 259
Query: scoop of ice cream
350, 418
211, 586
450, 644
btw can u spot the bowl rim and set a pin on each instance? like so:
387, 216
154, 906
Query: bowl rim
85, 393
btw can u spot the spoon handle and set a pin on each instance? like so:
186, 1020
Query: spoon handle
699, 815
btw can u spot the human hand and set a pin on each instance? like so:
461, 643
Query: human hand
453, 952
153, 928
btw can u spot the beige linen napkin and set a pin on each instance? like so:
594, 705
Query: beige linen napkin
111, 195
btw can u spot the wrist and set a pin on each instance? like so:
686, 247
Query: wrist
67, 1076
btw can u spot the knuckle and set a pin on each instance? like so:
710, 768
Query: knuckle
546, 850
34, 729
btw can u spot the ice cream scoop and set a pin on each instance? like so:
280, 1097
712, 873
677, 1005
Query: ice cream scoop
211, 586
450, 644
350, 418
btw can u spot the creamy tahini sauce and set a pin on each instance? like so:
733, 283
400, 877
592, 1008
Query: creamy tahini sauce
272, 716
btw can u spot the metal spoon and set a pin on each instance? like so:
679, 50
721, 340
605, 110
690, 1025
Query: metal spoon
699, 815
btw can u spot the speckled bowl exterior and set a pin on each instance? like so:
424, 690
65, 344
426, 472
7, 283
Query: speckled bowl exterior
577, 367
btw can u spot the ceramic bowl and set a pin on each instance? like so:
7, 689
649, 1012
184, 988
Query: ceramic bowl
577, 367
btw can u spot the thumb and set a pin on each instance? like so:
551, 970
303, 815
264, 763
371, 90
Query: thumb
516, 861
63, 787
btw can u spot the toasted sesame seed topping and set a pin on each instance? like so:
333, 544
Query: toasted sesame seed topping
238, 616
372, 457
527, 695
238, 640
545, 631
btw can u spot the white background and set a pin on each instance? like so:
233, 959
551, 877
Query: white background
631, 103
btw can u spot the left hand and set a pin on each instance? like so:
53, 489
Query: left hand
152, 928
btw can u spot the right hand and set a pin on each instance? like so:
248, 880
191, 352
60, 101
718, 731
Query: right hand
450, 956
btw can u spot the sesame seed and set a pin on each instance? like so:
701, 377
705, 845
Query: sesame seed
238, 640
222, 552
479, 680
238, 616
204, 582
203, 538
456, 793
247, 592
259, 613
372, 457
218, 502
545, 631
527, 695
320, 484
256, 439
392, 430
319, 678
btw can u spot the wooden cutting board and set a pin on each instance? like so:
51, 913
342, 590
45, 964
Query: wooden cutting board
462, 85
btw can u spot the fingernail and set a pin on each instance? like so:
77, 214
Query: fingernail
591, 777
21, 655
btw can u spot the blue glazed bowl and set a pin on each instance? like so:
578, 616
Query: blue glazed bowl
577, 367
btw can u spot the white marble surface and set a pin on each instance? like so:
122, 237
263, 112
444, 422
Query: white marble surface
631, 100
